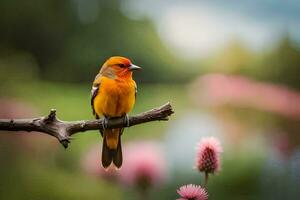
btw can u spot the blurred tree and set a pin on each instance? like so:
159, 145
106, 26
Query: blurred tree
70, 39
38, 27
234, 58
279, 65
282, 65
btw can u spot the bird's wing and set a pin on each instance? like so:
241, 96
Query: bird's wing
94, 92
135, 87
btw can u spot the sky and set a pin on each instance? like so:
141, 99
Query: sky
194, 29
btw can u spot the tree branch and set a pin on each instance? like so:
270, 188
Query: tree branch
62, 130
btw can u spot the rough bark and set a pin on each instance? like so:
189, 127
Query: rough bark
63, 130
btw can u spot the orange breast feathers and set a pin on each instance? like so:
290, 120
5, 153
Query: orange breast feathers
115, 97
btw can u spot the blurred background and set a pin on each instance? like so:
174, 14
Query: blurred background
230, 69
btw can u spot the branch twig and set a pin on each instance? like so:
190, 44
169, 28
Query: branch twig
62, 130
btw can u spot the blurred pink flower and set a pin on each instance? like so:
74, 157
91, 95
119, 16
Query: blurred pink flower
192, 192
220, 89
27, 142
208, 155
143, 164
11, 108
91, 164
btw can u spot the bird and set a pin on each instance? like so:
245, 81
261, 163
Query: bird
113, 95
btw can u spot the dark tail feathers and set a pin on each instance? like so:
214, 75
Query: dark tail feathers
111, 154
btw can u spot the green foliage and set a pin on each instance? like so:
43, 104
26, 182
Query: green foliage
69, 49
278, 65
282, 65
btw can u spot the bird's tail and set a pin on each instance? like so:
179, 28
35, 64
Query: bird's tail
112, 149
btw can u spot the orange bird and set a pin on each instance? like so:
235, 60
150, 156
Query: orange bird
113, 95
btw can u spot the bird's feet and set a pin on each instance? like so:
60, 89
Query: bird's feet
105, 122
106, 119
126, 120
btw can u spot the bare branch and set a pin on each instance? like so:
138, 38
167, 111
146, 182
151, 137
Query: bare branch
62, 130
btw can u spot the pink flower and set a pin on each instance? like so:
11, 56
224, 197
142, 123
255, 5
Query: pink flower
208, 155
240, 91
192, 192
143, 164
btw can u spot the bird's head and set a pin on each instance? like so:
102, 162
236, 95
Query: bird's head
118, 67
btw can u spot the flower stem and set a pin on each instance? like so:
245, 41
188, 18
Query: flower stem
205, 179
143, 193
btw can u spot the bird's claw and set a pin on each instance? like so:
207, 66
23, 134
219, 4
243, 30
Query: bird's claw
105, 123
126, 120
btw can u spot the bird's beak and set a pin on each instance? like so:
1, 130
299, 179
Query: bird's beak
134, 67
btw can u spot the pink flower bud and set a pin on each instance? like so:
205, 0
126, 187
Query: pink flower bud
208, 155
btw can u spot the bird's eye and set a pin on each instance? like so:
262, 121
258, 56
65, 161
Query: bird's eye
122, 65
